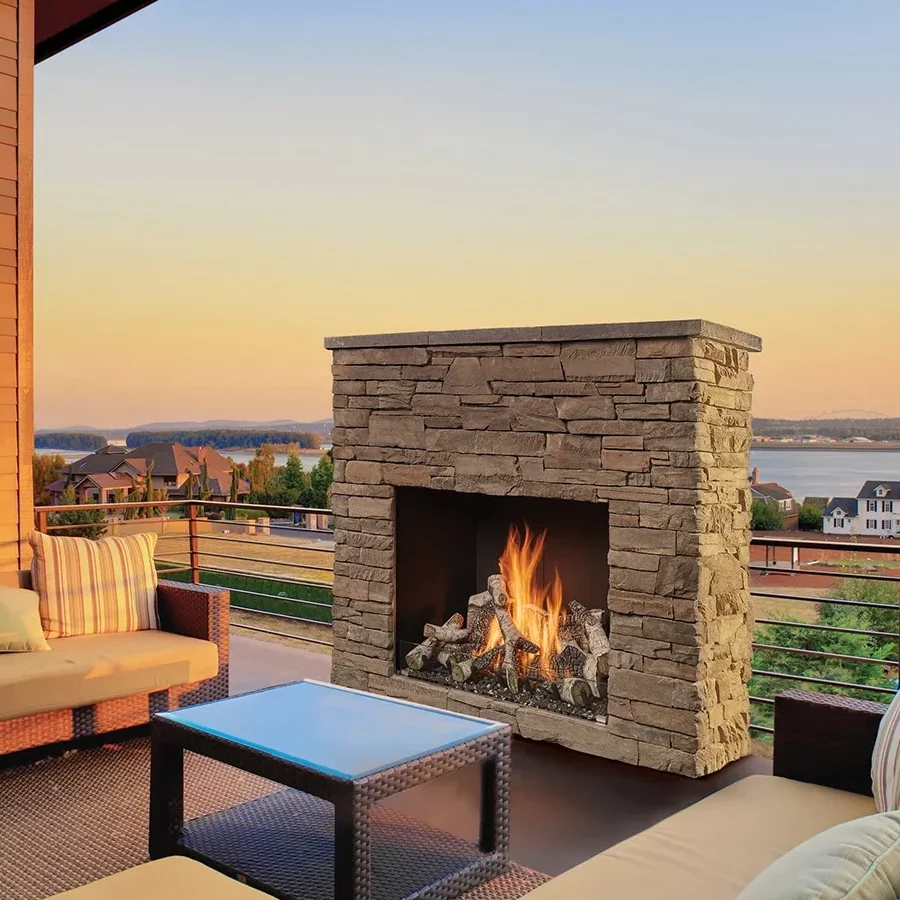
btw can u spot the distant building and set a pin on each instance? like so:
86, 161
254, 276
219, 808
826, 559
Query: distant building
115, 471
772, 492
874, 511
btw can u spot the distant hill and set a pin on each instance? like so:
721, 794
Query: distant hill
321, 427
225, 438
881, 429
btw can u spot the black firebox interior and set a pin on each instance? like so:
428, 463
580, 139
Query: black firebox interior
448, 543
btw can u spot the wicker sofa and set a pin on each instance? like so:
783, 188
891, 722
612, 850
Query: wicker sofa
713, 849
97, 684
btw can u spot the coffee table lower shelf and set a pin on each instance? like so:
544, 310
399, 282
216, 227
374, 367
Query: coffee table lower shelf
283, 843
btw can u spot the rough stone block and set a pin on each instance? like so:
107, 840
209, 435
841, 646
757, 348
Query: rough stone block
386, 430
577, 734
626, 460
599, 368
466, 376
382, 356
642, 540
525, 368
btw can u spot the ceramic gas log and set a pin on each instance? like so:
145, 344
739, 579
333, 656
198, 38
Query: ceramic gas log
520, 639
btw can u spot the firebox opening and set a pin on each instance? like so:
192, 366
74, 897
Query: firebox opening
504, 596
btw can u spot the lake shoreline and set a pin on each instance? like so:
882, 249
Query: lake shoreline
875, 446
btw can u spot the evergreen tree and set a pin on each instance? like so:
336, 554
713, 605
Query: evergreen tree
190, 486
149, 493
320, 479
295, 480
205, 489
233, 494
92, 522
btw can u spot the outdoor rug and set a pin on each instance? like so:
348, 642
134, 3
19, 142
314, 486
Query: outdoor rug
75, 819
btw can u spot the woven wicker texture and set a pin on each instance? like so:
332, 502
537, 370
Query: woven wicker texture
71, 821
193, 610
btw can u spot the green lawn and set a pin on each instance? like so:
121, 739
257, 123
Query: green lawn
286, 592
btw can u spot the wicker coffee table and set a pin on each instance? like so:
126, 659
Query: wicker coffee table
338, 752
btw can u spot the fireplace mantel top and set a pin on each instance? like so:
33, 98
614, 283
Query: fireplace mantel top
612, 331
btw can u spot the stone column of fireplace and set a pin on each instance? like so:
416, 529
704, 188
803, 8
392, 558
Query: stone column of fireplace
652, 419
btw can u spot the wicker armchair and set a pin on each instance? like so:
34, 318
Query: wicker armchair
826, 739
191, 610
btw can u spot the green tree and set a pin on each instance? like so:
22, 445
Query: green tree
767, 516
190, 486
233, 494
46, 468
810, 517
86, 522
841, 633
134, 496
261, 470
295, 480
320, 479
205, 489
149, 494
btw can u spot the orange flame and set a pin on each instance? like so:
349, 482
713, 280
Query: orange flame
535, 607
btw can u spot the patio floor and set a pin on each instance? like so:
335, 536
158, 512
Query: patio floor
566, 807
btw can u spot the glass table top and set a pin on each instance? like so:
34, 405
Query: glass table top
339, 732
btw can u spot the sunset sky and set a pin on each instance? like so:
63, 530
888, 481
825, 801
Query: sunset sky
220, 184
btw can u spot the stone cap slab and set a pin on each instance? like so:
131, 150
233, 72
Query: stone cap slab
612, 331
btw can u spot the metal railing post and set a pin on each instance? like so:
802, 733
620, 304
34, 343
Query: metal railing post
194, 541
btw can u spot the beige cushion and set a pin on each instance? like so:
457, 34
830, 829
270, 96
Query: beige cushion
713, 849
80, 671
95, 587
886, 760
858, 860
20, 622
171, 878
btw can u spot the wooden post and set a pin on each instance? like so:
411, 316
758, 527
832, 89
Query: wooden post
41, 523
194, 543
16, 268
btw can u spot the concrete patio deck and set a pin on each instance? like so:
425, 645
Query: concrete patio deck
566, 807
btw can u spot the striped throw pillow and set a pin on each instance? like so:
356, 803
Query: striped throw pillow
886, 760
95, 587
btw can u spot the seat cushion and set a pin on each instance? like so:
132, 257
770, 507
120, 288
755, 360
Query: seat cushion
173, 877
95, 587
713, 849
81, 671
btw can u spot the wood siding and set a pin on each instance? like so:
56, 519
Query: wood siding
16, 274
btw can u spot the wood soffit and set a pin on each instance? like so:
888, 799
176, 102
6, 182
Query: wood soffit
59, 24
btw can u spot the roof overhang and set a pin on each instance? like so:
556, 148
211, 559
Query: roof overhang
58, 24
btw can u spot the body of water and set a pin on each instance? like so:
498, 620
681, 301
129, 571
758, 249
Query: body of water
825, 473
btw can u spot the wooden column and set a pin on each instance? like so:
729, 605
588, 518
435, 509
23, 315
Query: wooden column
16, 275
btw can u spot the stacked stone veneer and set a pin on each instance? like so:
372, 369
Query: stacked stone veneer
652, 419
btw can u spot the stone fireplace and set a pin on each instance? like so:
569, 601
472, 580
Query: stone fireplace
549, 527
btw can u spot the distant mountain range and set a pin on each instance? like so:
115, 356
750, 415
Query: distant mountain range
321, 427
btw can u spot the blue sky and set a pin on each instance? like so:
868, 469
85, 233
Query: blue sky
264, 174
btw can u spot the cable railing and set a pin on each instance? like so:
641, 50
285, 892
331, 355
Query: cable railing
278, 568
280, 574
842, 636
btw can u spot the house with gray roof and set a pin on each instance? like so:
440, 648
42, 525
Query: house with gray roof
873, 512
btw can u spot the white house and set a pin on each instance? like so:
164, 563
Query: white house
874, 512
